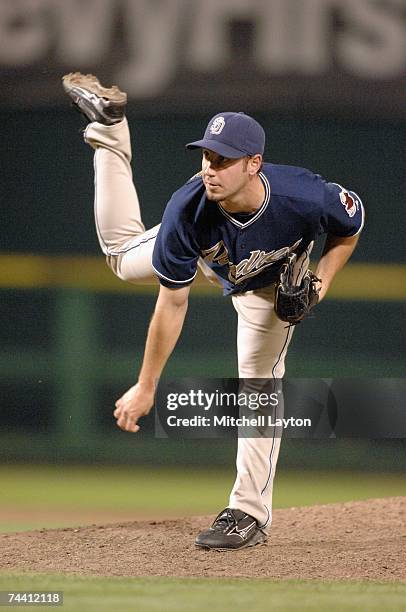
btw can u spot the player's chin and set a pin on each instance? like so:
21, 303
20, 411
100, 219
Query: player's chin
213, 193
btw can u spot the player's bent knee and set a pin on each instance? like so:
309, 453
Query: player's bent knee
114, 263
137, 271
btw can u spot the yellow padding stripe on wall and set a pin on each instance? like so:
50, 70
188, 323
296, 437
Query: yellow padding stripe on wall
27, 271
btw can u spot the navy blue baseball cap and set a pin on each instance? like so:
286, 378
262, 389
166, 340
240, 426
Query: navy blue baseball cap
232, 135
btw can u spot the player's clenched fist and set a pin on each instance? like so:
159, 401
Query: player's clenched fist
135, 403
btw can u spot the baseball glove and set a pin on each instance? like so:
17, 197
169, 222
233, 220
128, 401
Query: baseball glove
294, 302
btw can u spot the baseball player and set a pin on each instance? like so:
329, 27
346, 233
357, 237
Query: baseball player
240, 219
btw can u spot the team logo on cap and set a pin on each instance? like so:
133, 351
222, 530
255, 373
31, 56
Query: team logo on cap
217, 125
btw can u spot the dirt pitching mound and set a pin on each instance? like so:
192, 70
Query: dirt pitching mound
364, 540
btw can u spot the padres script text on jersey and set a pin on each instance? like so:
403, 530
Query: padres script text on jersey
246, 250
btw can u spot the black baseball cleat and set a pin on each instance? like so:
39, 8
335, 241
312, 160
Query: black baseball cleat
231, 530
97, 103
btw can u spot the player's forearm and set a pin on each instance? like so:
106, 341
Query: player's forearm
336, 253
164, 331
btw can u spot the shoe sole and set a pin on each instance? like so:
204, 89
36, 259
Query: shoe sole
257, 540
90, 83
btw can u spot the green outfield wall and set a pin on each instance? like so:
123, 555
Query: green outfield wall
67, 354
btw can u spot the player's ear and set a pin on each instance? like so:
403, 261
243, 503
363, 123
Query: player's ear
254, 164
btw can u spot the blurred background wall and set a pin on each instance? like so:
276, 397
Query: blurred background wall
326, 78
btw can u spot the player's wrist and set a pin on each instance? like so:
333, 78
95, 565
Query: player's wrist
147, 383
321, 288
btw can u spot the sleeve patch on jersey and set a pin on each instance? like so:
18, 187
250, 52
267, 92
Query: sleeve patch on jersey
349, 202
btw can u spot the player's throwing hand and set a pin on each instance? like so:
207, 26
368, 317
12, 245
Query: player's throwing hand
135, 403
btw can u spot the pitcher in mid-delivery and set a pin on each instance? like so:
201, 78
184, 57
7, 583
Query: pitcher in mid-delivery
238, 219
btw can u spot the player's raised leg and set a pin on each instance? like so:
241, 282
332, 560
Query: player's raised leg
122, 236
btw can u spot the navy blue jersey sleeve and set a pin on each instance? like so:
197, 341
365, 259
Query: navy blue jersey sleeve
343, 212
176, 252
